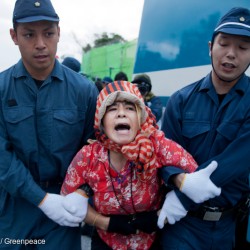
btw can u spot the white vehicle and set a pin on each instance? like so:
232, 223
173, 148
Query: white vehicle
173, 41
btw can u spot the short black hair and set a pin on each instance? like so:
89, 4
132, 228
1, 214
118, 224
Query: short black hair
121, 76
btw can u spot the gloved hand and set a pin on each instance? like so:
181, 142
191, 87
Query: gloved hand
198, 186
76, 204
146, 221
172, 210
52, 206
121, 224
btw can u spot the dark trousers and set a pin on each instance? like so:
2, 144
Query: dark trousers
241, 234
22, 223
192, 233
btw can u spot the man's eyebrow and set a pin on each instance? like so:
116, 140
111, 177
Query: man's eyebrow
245, 39
241, 38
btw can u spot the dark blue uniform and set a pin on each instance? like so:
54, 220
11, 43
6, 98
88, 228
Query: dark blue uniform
41, 129
210, 129
156, 107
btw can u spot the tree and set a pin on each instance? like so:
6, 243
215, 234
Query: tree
105, 39
100, 40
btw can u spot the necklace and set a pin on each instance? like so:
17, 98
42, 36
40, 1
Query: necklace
130, 168
120, 178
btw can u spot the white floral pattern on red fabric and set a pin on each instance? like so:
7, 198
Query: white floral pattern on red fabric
91, 166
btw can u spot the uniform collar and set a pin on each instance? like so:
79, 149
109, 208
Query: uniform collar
240, 87
20, 70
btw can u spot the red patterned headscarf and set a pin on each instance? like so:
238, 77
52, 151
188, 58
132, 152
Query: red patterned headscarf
141, 150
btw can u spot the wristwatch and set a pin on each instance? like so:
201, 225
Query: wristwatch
87, 189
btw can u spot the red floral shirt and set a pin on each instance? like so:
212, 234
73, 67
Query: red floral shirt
132, 189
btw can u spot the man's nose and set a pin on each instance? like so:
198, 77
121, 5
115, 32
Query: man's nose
40, 44
231, 53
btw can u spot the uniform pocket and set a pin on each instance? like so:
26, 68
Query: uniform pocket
195, 132
69, 117
68, 128
229, 130
20, 127
14, 116
193, 129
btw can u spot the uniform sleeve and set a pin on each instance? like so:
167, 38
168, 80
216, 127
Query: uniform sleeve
15, 177
76, 172
171, 120
171, 127
156, 107
233, 161
91, 96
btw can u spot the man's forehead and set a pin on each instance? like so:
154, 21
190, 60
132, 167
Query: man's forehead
239, 37
32, 25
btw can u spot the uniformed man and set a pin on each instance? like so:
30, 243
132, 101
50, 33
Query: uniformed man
46, 116
211, 120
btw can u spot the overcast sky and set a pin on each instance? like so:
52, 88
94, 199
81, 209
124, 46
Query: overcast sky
83, 18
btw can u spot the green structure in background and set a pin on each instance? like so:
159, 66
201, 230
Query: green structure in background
109, 60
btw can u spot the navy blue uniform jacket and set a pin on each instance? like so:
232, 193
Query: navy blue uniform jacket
41, 129
212, 131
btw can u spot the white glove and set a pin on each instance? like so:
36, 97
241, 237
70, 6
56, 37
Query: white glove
76, 204
52, 206
172, 210
198, 186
